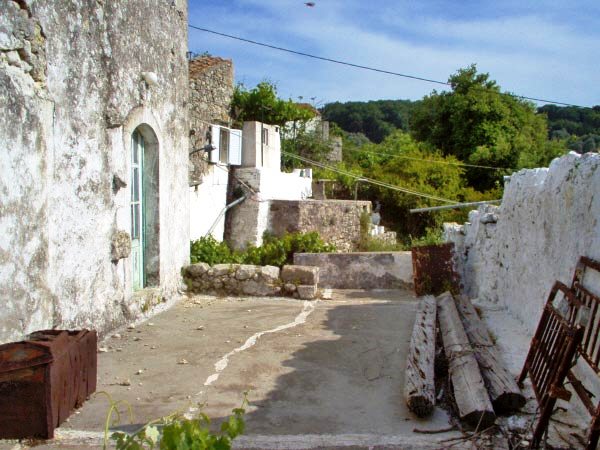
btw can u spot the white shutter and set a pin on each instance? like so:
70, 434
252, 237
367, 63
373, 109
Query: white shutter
235, 147
215, 137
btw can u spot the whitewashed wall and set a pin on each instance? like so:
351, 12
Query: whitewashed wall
548, 218
67, 111
207, 201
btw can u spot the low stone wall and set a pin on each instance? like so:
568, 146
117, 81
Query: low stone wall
244, 279
362, 270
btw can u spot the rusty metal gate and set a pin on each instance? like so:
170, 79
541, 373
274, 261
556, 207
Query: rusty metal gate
552, 351
585, 310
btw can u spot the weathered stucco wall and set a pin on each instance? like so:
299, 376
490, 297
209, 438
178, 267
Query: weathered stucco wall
361, 270
72, 91
207, 201
548, 218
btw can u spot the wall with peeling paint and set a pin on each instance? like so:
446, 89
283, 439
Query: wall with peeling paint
72, 91
548, 218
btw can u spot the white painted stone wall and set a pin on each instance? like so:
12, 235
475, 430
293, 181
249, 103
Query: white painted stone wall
207, 201
272, 184
65, 134
548, 218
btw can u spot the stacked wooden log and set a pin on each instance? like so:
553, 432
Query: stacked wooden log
481, 385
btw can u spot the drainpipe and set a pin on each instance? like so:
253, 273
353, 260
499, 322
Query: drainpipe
222, 213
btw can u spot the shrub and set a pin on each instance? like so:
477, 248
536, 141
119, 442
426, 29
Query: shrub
208, 250
273, 252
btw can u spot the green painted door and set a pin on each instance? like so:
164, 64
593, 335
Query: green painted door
137, 210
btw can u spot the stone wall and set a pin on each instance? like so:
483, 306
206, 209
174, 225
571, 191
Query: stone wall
336, 221
76, 78
211, 90
548, 218
361, 270
245, 279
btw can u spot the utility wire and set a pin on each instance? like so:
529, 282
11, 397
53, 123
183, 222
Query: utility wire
360, 66
368, 180
430, 160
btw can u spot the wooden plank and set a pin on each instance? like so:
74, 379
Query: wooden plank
419, 386
505, 394
470, 394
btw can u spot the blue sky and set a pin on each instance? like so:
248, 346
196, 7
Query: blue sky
538, 48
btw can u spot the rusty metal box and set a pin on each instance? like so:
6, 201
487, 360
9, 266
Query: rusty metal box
43, 379
433, 269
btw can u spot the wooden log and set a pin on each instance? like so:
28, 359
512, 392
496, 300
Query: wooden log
470, 394
419, 385
501, 385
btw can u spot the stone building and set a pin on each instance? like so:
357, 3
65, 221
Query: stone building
211, 90
94, 161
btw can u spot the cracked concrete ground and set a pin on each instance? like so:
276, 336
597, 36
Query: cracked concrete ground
325, 374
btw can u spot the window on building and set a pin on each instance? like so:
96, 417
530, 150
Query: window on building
224, 146
265, 136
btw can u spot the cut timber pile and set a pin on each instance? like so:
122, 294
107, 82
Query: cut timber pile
419, 388
470, 393
503, 390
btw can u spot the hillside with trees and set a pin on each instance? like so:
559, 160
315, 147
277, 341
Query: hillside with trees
580, 127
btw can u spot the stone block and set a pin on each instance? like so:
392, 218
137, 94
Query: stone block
245, 271
269, 273
251, 287
219, 270
195, 270
307, 291
120, 245
300, 275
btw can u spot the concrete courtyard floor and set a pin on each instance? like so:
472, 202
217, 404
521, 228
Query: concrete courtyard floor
322, 374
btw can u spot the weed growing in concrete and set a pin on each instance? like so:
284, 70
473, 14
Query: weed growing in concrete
177, 432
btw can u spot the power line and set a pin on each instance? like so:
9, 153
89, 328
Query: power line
430, 160
360, 66
369, 180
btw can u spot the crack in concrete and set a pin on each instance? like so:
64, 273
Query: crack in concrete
309, 307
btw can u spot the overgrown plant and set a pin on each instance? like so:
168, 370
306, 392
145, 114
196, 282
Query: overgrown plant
273, 252
177, 432
432, 236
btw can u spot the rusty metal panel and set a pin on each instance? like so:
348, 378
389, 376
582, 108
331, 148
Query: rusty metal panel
553, 349
433, 269
43, 379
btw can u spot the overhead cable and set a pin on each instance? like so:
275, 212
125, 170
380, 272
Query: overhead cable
361, 66
369, 180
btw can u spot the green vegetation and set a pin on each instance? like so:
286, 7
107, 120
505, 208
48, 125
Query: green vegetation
261, 104
580, 127
375, 119
274, 251
176, 432
478, 124
400, 160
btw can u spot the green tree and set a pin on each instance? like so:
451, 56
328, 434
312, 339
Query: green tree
478, 124
262, 104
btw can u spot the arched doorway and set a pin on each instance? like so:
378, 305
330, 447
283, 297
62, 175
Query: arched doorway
145, 217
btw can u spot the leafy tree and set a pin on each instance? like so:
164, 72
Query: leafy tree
375, 119
262, 104
478, 124
400, 160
